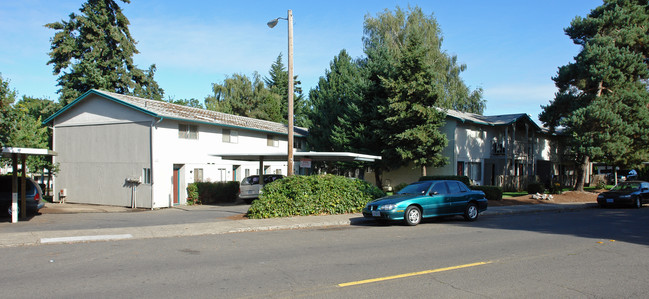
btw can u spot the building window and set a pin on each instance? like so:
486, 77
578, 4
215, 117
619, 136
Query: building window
297, 143
198, 174
471, 169
230, 136
187, 131
271, 140
247, 172
146, 176
278, 171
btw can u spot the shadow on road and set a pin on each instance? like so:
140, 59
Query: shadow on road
620, 224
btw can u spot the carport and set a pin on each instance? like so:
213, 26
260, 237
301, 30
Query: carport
302, 156
18, 153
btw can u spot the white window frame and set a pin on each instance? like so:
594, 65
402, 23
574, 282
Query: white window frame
230, 136
271, 140
187, 131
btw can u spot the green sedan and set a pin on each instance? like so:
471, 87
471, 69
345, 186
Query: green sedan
428, 199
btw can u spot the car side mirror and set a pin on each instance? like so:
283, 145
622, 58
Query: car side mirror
433, 193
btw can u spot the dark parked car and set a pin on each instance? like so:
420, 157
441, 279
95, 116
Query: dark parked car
33, 196
250, 188
428, 199
629, 193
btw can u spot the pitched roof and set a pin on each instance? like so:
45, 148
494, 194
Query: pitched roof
492, 120
166, 110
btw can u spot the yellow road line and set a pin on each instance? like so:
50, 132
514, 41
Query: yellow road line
353, 283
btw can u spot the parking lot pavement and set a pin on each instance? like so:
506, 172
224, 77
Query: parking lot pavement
96, 223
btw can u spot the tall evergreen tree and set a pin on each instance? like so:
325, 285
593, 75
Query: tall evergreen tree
277, 82
602, 101
95, 49
410, 77
336, 104
414, 92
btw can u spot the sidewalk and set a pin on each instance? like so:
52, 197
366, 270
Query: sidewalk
222, 226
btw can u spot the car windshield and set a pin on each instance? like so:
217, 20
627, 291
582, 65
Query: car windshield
251, 180
416, 188
626, 187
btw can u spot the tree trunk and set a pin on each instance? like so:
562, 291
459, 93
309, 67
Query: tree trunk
581, 173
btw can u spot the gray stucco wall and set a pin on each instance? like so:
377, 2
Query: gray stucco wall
95, 162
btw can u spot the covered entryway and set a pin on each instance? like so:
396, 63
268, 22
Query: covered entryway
307, 156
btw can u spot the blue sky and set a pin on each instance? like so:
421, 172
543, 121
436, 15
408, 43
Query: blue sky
511, 48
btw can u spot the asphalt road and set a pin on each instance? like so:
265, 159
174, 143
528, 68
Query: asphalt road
587, 253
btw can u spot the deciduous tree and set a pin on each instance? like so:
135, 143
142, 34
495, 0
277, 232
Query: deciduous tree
7, 115
240, 95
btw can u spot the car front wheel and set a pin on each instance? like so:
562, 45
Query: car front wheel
471, 212
412, 216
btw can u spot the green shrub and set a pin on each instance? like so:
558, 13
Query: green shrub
192, 195
214, 192
491, 192
462, 178
535, 187
555, 188
313, 195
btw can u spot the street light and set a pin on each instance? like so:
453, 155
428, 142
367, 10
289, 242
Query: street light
272, 24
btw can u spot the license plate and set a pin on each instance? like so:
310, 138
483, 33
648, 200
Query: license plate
250, 192
376, 214
609, 200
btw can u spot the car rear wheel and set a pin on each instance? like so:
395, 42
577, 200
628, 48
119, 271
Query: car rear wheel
471, 212
412, 216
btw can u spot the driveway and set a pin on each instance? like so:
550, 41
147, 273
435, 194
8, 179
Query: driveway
80, 216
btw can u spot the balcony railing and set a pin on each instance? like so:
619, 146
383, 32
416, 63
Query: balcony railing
520, 149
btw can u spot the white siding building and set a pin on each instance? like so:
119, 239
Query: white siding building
106, 141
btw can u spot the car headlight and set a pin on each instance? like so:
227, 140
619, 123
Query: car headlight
600, 196
387, 207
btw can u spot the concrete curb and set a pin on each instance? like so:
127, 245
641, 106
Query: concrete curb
234, 226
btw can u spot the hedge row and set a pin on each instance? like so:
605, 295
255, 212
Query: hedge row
313, 195
212, 192
462, 178
491, 192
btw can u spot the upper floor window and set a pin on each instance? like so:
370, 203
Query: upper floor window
271, 140
298, 143
187, 131
230, 136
